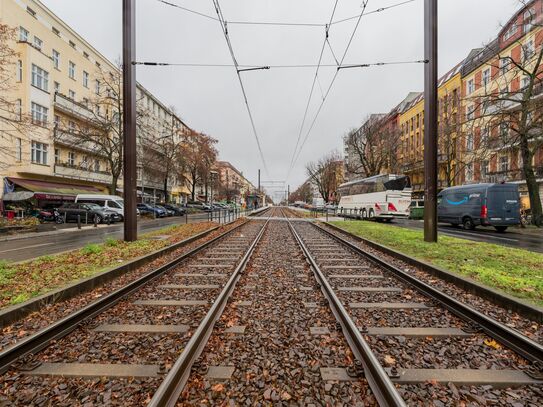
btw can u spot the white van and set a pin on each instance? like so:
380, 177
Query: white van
112, 202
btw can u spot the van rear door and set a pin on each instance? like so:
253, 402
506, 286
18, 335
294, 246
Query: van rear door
503, 203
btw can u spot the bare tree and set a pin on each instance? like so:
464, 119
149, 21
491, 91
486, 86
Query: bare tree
374, 147
303, 193
101, 132
326, 175
511, 108
199, 155
13, 122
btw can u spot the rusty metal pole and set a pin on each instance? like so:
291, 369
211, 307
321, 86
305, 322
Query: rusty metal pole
430, 121
129, 120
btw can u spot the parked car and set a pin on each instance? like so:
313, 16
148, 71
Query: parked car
151, 209
496, 205
177, 210
113, 203
88, 213
169, 212
195, 205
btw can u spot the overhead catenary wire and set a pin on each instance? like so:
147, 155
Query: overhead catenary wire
285, 66
224, 28
283, 23
364, 6
326, 34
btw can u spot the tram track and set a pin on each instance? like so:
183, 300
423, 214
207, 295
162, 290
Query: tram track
420, 335
132, 334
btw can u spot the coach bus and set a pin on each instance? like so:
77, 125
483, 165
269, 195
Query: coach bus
382, 197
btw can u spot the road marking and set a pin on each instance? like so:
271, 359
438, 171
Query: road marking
26, 247
477, 235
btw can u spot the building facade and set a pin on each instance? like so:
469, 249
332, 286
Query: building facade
71, 96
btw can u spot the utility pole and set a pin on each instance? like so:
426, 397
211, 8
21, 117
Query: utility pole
288, 195
129, 120
259, 181
430, 121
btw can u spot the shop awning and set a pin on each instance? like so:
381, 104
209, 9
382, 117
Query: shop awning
49, 190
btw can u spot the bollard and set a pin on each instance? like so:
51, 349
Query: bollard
95, 222
186, 217
79, 221
109, 220
326, 215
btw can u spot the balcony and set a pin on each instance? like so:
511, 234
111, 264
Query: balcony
74, 172
72, 108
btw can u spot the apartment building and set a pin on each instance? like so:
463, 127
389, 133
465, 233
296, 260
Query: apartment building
71, 95
231, 184
494, 84
411, 125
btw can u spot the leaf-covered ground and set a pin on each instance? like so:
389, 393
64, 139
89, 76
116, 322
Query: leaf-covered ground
20, 282
515, 271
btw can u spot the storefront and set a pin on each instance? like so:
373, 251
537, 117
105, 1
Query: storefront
26, 194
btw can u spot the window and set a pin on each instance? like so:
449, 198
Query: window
71, 126
96, 165
71, 158
56, 120
470, 113
485, 165
85, 101
510, 32
71, 94
18, 149
30, 11
524, 82
57, 156
38, 43
23, 34
85, 79
40, 78
528, 51
57, 87
85, 162
504, 163
469, 142
86, 55
19, 108
97, 87
529, 16
56, 59
504, 129
471, 86
55, 31
72, 44
484, 136
486, 77
469, 172
71, 70
19, 71
504, 65
39, 114
39, 153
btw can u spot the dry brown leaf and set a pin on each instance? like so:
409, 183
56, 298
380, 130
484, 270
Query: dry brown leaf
389, 360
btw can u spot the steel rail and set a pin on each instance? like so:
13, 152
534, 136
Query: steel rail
509, 337
384, 390
64, 326
173, 384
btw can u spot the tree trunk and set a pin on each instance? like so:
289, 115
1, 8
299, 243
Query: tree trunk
166, 196
533, 187
113, 185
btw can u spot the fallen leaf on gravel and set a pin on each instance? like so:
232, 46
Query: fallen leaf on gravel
219, 387
492, 343
285, 396
389, 360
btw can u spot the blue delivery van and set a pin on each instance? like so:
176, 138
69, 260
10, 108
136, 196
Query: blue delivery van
496, 205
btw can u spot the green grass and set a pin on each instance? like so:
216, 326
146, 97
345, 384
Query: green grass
22, 281
514, 271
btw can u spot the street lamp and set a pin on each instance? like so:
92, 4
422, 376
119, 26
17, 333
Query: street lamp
212, 175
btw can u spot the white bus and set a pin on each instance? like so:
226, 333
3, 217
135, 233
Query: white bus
382, 197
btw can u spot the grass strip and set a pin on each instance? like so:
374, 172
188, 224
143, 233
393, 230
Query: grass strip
514, 271
23, 281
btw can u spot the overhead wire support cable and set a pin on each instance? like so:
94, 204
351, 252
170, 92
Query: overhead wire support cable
365, 4
223, 23
326, 35
246, 67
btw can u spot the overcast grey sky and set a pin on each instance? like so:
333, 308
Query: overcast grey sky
210, 100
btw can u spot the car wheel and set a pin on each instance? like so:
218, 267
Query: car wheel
97, 219
500, 229
372, 214
468, 224
364, 214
